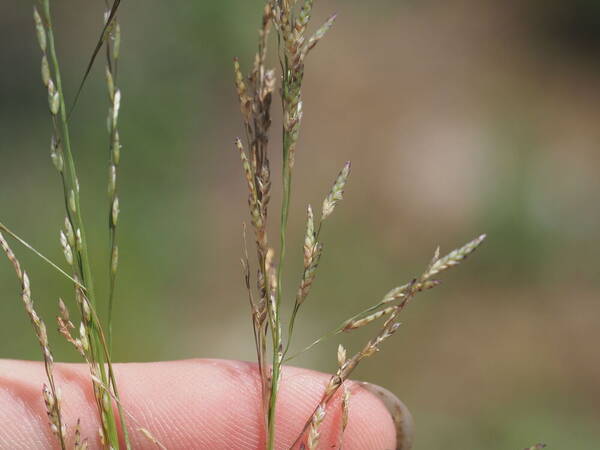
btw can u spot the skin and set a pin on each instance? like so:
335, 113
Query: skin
192, 404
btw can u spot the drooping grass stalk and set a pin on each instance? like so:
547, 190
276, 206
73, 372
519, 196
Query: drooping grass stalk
73, 239
51, 394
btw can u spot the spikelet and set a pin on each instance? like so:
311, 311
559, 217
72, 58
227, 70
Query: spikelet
454, 258
319, 34
341, 355
314, 433
337, 192
50, 392
359, 323
345, 414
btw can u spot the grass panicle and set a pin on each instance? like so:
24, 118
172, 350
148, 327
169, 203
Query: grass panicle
113, 46
291, 27
312, 247
255, 96
91, 342
403, 295
50, 392
291, 20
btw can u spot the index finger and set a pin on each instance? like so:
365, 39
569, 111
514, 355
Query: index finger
195, 404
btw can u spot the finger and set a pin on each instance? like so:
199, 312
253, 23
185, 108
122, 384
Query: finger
192, 404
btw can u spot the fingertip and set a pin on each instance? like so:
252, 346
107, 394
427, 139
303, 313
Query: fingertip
202, 404
400, 414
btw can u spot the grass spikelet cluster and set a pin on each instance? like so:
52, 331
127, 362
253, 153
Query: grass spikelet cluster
50, 392
314, 434
291, 21
113, 46
88, 338
73, 238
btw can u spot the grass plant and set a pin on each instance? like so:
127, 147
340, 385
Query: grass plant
91, 341
291, 20
287, 23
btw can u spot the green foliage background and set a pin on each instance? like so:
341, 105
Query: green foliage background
459, 117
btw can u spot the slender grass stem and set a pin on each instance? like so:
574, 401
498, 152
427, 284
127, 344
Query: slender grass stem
113, 385
276, 328
112, 40
276, 331
297, 307
275, 378
71, 188
51, 397
285, 208
36, 252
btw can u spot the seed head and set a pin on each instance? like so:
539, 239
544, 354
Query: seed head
337, 192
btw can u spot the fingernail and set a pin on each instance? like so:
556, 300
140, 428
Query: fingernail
403, 420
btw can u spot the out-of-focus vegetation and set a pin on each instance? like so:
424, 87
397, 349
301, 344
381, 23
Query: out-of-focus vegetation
459, 118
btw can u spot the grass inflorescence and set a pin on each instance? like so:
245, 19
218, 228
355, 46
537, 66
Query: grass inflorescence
291, 21
88, 338
73, 237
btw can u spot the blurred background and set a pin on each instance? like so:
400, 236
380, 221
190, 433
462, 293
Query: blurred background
460, 117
